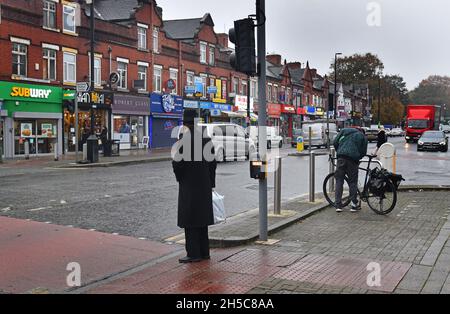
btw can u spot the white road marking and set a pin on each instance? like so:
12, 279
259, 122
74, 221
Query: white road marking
38, 209
63, 202
7, 209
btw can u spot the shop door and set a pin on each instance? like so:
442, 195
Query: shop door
162, 132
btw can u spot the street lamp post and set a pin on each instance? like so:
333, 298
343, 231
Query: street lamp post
92, 140
335, 84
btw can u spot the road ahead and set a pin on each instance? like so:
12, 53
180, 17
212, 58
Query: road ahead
141, 201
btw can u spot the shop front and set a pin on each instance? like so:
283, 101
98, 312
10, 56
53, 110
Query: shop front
287, 120
273, 114
102, 116
30, 115
166, 114
130, 120
218, 112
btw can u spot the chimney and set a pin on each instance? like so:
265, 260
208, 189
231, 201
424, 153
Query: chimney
274, 59
294, 65
223, 40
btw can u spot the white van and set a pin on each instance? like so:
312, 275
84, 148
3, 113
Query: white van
273, 136
319, 134
230, 141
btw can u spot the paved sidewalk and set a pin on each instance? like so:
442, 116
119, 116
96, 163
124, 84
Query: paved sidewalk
126, 157
322, 253
326, 253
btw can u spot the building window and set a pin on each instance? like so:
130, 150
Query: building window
70, 67
142, 38
69, 19
142, 75
174, 77
122, 69
275, 93
19, 59
235, 85
49, 64
212, 55
49, 14
190, 78
288, 96
97, 70
155, 39
204, 78
269, 93
157, 79
244, 88
202, 53
253, 89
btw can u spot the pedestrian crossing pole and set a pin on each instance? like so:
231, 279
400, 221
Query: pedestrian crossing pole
262, 119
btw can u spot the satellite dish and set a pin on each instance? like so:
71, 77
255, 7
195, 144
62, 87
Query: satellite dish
387, 151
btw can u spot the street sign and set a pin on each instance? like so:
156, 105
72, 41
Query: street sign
114, 78
83, 87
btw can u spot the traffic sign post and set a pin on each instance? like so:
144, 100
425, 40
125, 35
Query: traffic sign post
83, 87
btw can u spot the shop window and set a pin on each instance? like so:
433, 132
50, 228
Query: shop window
49, 64
49, 13
19, 53
40, 134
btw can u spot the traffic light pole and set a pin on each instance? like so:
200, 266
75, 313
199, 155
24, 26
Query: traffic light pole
249, 121
262, 119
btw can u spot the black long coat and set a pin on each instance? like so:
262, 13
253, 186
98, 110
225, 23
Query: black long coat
382, 139
196, 180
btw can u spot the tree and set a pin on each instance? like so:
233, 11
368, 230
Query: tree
358, 69
435, 90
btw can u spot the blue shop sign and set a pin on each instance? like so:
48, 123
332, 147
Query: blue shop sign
190, 104
189, 90
311, 110
212, 106
166, 103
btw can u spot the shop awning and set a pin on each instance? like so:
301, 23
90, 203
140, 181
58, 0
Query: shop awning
232, 114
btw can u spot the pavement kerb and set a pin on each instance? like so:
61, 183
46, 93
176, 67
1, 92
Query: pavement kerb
274, 228
114, 163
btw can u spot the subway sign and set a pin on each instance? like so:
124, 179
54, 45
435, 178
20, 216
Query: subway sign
26, 92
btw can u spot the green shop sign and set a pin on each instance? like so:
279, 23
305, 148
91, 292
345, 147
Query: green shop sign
30, 93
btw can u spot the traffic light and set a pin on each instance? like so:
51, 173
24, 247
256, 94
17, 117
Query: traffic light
243, 37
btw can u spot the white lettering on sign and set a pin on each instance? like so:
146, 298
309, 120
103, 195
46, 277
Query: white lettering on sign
30, 92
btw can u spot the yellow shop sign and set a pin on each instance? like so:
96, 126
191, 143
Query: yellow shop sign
26, 92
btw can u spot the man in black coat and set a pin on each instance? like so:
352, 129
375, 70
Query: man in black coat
194, 165
382, 139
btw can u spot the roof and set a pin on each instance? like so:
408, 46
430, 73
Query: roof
114, 10
297, 75
274, 71
187, 28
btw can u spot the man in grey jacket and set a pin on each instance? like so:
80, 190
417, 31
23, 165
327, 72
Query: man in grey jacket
351, 147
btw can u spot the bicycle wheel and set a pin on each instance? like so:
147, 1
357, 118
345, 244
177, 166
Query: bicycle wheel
384, 200
330, 196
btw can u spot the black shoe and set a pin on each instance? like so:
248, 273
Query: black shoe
355, 208
188, 260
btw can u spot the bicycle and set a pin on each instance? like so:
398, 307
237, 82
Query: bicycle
379, 192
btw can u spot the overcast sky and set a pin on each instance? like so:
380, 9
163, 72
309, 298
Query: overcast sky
413, 39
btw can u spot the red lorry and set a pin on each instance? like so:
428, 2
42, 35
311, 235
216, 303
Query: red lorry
421, 118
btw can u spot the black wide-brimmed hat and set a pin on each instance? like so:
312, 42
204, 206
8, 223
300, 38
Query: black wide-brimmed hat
189, 116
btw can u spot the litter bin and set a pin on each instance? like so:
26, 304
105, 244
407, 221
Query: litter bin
300, 144
107, 148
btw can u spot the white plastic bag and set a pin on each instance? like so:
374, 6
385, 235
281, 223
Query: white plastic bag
219, 208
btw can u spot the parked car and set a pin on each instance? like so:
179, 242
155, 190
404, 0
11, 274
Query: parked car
230, 141
388, 131
397, 132
371, 134
273, 137
445, 128
319, 134
433, 141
